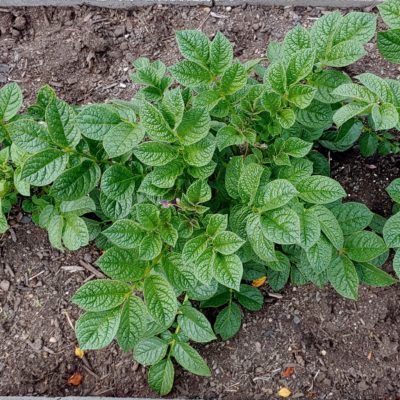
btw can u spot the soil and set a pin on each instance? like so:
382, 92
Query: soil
339, 349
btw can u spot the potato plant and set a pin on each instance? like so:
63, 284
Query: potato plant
209, 178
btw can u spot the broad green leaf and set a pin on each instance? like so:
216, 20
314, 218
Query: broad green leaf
10, 101
390, 13
344, 138
178, 273
355, 92
221, 54
396, 263
343, 277
204, 271
132, 325
95, 121
21, 186
229, 136
227, 243
115, 209
189, 73
278, 279
124, 233
384, 116
173, 106
161, 376
220, 298
165, 176
276, 194
76, 233
195, 325
391, 231
374, 276
122, 138
377, 85
310, 229
168, 234
250, 297
326, 82
318, 189
96, 330
301, 95
232, 175
319, 256
296, 39
216, 223
233, 79
28, 135
60, 119
195, 126
316, 116
150, 351
101, 295
276, 77
150, 246
296, 147
286, 117
352, 217
394, 190
199, 192
298, 170
364, 246
389, 45
148, 216
194, 248
3, 220
249, 181
55, 230
263, 247
344, 53
44, 167
281, 226
118, 182
200, 154
300, 65
76, 182
84, 205
156, 127
329, 225
155, 154
122, 264
160, 299
190, 359
194, 46
228, 270
228, 321
357, 26
349, 111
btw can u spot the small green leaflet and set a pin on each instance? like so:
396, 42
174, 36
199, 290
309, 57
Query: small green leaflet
190, 359
228, 321
161, 376
343, 276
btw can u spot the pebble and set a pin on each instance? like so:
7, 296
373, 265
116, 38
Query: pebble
229, 8
53, 340
4, 285
87, 257
362, 386
119, 31
257, 346
19, 23
296, 320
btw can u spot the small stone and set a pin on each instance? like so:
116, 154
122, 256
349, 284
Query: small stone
26, 219
296, 320
362, 386
124, 46
229, 8
87, 257
19, 23
323, 352
53, 340
119, 31
4, 286
257, 346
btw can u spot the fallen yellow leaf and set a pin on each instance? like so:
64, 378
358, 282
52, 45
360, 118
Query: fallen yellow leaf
259, 282
284, 392
79, 352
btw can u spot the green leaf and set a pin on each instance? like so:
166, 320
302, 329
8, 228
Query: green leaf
122, 138
318, 189
326, 82
28, 135
190, 359
357, 26
101, 295
344, 138
228, 321
300, 65
276, 77
76, 182
310, 229
132, 325
148, 216
393, 190
221, 54
343, 277
216, 223
391, 231
178, 273
44, 167
364, 246
228, 270
377, 85
263, 247
374, 276
195, 325
390, 13
286, 117
319, 256
168, 234
249, 181
76, 233
233, 79
122, 264
316, 116
95, 121
200, 154
352, 217
60, 119
150, 351
229, 136
188, 73
55, 230
194, 46
118, 182
396, 263
204, 271
281, 226
298, 170
160, 299
384, 116
21, 186
124, 233
84, 205
155, 154
227, 243
344, 53
154, 124
329, 225
3, 220
296, 39
96, 330
195, 126
389, 45
301, 95
232, 175
150, 246
199, 192
194, 248
161, 377
10, 101
173, 106
250, 297
296, 147
276, 194
349, 111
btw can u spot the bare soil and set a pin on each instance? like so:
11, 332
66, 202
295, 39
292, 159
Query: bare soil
339, 349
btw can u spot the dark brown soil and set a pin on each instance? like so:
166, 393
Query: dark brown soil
339, 349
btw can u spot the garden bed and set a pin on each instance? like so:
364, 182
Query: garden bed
339, 349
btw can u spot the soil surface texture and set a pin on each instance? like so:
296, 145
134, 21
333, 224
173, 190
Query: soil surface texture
338, 349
